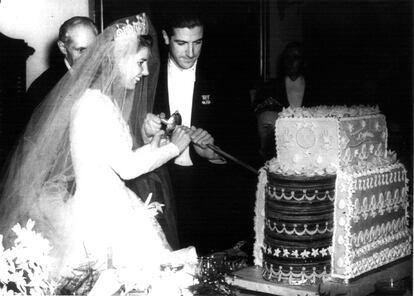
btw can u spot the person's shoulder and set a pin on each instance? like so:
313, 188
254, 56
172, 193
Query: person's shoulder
41, 80
94, 96
207, 73
93, 104
92, 99
205, 66
47, 80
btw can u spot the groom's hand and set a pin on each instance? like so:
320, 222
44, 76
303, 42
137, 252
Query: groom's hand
181, 137
201, 138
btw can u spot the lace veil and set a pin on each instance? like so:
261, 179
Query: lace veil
41, 162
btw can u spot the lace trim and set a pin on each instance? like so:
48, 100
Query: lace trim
329, 111
259, 218
367, 236
388, 204
314, 194
273, 226
380, 242
276, 273
377, 259
383, 257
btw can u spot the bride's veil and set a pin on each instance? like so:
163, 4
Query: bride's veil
41, 163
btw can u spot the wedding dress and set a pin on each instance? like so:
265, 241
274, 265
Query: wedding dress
68, 170
101, 148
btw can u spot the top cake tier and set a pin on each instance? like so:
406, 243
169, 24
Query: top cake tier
324, 138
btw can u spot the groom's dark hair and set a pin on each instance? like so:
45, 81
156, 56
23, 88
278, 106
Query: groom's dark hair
182, 16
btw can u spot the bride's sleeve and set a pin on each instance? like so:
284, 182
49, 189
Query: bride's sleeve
129, 164
99, 129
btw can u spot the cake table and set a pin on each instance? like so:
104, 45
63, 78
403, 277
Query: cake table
250, 280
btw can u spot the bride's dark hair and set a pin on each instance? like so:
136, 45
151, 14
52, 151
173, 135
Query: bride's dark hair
145, 41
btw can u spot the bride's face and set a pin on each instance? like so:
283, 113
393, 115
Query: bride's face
133, 67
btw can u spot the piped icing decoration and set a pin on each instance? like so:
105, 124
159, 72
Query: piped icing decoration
322, 137
308, 275
298, 229
370, 205
307, 146
309, 195
274, 166
375, 212
384, 231
382, 257
259, 218
343, 206
329, 111
297, 253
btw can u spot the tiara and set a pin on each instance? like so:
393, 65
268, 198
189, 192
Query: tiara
132, 27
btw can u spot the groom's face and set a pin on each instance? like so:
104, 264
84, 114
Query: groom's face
185, 45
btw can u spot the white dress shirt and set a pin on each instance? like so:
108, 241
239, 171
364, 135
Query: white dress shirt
67, 64
180, 94
295, 90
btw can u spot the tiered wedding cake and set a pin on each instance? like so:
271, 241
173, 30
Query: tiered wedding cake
334, 201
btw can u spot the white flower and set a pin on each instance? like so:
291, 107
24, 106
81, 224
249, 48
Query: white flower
315, 252
324, 252
26, 263
305, 254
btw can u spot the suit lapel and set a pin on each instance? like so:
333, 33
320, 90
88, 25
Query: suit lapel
161, 99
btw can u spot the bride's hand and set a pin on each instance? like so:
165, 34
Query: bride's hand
151, 125
181, 137
156, 139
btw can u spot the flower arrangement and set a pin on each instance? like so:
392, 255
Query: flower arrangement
24, 267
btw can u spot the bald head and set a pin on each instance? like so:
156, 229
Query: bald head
75, 35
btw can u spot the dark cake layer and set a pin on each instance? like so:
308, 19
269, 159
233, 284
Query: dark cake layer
298, 228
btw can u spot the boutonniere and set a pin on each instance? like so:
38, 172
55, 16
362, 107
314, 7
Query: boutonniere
205, 99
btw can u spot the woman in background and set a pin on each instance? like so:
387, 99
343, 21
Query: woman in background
289, 89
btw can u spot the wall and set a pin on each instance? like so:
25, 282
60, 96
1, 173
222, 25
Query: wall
37, 22
283, 30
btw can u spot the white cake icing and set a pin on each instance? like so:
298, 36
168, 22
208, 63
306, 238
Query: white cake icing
329, 111
322, 140
259, 216
371, 215
370, 205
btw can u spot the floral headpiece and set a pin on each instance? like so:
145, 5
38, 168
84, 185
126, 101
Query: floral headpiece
134, 25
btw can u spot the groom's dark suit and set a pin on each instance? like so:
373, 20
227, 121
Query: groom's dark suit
196, 188
205, 104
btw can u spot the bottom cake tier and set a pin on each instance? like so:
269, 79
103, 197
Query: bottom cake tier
298, 228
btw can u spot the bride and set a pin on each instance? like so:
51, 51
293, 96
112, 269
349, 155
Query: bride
68, 171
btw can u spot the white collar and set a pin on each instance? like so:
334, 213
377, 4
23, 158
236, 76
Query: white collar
177, 71
67, 64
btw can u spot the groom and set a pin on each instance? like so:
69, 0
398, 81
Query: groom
186, 86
